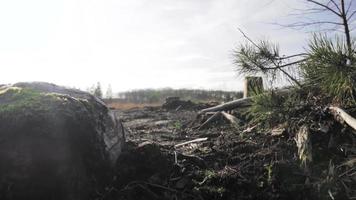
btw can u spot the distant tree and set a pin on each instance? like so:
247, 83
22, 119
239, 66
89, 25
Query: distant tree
96, 90
109, 93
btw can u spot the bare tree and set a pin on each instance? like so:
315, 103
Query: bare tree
98, 91
341, 15
109, 93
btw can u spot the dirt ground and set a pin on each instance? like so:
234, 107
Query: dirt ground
232, 163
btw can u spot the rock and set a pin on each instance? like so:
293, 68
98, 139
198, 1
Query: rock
55, 143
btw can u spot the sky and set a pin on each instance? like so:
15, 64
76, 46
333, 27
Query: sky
132, 44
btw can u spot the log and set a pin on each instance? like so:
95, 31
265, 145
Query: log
344, 116
244, 102
253, 86
239, 103
191, 141
232, 119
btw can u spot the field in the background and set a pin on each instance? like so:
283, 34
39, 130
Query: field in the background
159, 95
128, 105
151, 97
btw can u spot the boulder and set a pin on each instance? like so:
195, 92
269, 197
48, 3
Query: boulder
55, 143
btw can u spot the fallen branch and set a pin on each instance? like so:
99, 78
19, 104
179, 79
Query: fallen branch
249, 129
210, 120
341, 114
191, 141
232, 119
244, 102
240, 103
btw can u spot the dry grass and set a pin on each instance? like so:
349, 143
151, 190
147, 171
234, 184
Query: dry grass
129, 105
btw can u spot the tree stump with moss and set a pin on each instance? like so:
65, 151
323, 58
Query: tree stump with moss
253, 86
56, 143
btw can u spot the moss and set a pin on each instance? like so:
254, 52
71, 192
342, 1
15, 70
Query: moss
15, 100
9, 89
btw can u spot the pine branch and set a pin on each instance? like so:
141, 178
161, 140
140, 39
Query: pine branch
272, 60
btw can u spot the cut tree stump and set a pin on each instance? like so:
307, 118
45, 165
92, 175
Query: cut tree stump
253, 86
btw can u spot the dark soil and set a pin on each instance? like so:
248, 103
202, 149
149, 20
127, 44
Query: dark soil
233, 163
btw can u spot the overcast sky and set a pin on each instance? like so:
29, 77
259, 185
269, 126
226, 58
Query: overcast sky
134, 44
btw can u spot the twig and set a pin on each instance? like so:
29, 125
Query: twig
191, 141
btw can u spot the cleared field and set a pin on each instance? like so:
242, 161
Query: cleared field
129, 105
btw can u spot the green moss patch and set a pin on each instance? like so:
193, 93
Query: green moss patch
14, 100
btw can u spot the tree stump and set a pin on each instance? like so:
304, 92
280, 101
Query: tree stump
253, 86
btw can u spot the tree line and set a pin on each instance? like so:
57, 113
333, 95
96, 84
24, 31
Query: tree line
159, 95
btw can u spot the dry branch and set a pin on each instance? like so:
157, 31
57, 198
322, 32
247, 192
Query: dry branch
232, 119
191, 141
210, 120
239, 103
244, 102
341, 114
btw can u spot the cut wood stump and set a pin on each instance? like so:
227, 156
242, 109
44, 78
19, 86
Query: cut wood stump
253, 86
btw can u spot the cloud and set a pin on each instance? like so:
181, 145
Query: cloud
136, 43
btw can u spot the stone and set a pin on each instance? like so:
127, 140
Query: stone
55, 142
